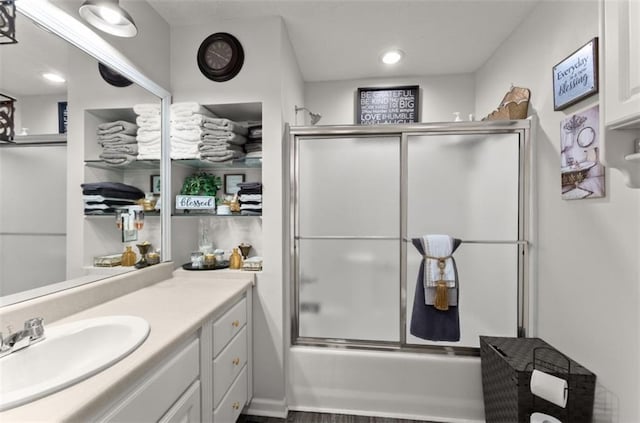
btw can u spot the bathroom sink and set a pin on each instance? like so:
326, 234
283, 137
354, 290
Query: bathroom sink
69, 353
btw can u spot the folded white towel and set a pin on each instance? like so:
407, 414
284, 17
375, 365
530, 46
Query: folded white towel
187, 134
147, 108
188, 108
250, 197
438, 246
148, 122
221, 147
176, 155
148, 137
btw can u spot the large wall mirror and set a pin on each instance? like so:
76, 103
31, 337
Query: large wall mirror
50, 232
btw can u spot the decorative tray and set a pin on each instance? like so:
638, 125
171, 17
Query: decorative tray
222, 265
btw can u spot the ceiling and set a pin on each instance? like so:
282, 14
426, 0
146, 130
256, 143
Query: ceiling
332, 39
343, 39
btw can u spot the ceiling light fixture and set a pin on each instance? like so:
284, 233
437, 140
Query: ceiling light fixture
392, 57
53, 77
108, 16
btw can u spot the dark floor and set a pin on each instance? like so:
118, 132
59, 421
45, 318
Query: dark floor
303, 417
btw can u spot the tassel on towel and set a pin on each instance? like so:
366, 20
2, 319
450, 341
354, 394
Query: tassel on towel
439, 274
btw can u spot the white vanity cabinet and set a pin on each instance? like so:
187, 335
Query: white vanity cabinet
620, 94
226, 367
167, 393
208, 380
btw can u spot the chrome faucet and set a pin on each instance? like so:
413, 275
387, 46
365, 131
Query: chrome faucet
33, 332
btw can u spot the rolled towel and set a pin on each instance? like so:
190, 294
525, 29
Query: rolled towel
118, 126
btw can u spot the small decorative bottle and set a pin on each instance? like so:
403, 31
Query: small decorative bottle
128, 257
235, 260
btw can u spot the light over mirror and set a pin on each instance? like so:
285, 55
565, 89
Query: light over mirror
54, 230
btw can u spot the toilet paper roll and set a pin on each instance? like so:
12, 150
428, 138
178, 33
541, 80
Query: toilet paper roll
543, 418
549, 387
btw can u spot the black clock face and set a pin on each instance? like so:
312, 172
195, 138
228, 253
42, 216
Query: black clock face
220, 57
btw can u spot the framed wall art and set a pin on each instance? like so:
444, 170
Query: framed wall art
388, 105
231, 182
576, 77
155, 184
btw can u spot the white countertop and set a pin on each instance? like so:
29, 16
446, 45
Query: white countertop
175, 309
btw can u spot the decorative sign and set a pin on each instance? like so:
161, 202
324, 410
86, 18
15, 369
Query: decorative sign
62, 117
388, 105
576, 77
195, 202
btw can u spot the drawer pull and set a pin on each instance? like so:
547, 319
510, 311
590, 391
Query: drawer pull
235, 323
236, 361
236, 405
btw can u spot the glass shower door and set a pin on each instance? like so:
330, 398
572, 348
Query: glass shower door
467, 186
347, 238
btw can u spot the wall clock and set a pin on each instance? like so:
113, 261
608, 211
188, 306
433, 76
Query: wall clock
220, 57
112, 77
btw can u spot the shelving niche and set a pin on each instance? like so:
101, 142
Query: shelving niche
100, 235
226, 231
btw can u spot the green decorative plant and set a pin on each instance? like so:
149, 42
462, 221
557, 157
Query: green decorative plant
201, 183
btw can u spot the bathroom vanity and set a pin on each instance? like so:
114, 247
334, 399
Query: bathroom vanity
195, 364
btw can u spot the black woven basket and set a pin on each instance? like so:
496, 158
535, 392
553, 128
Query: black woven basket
507, 364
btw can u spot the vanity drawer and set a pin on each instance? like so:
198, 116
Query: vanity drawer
228, 364
233, 403
227, 326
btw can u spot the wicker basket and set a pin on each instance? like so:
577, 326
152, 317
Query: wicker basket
507, 364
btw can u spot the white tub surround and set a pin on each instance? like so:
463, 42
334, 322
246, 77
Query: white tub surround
175, 308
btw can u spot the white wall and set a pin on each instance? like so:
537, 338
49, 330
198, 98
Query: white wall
268, 64
38, 113
588, 249
440, 96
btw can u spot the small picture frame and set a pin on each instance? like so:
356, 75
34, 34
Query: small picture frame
231, 181
155, 184
576, 77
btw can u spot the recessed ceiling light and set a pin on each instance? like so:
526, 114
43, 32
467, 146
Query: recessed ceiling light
53, 77
392, 57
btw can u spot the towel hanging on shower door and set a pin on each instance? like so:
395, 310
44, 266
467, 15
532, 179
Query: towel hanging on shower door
427, 322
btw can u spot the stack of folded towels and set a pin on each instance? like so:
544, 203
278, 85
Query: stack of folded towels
118, 142
253, 147
106, 197
222, 140
187, 119
250, 197
149, 133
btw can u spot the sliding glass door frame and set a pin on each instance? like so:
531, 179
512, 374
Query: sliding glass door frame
299, 134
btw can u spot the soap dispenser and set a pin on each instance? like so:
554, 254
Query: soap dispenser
235, 260
128, 257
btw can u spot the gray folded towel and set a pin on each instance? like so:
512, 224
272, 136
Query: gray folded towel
118, 126
224, 124
121, 148
228, 136
220, 147
115, 138
220, 156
